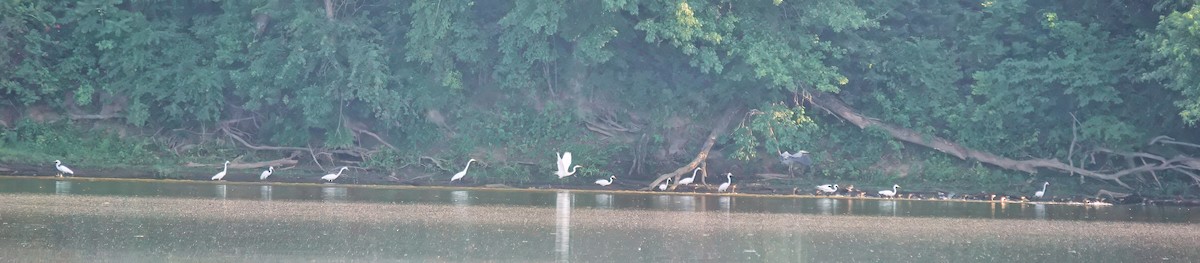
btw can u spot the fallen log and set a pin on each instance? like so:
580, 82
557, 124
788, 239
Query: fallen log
233, 165
718, 129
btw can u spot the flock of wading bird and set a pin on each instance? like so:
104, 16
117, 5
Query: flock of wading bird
564, 169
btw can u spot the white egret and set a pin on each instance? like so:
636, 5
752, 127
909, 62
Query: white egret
725, 186
663, 186
62, 169
222, 173
268, 172
828, 188
460, 175
564, 162
1041, 193
689, 180
603, 182
890, 193
331, 177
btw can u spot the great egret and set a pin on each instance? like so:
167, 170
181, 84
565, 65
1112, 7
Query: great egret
603, 182
1041, 193
828, 188
62, 169
460, 175
689, 180
331, 177
890, 193
564, 161
268, 172
728, 180
663, 186
222, 173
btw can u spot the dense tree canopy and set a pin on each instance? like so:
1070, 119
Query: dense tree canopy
387, 82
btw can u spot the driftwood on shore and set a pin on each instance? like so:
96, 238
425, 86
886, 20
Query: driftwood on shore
718, 129
236, 165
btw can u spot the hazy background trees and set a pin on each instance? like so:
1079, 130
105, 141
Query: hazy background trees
622, 83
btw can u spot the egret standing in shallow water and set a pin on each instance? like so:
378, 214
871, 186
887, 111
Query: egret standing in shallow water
564, 163
268, 172
828, 188
460, 175
725, 186
663, 186
890, 193
221, 174
331, 177
603, 182
1041, 193
62, 169
689, 180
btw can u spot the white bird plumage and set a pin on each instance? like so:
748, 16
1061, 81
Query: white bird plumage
268, 172
62, 169
663, 186
603, 182
1041, 193
564, 163
221, 174
890, 193
460, 175
689, 180
331, 177
725, 186
828, 188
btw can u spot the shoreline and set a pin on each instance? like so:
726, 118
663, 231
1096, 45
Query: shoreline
534, 190
380, 181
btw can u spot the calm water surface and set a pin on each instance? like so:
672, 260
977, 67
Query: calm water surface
57, 235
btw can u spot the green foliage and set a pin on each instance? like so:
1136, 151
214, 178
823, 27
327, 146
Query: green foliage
1173, 45
1022, 79
781, 127
62, 141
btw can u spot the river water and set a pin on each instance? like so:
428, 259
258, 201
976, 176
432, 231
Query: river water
85, 220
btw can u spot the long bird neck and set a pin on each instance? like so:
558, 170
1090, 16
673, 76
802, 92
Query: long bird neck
694, 174
226, 167
572, 170
1044, 187
468, 166
340, 171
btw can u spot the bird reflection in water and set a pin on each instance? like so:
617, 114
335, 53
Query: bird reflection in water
265, 192
562, 223
334, 194
887, 207
221, 191
460, 198
826, 206
661, 202
684, 203
604, 201
725, 203
62, 187
1039, 211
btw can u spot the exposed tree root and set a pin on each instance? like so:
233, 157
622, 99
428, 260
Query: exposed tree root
1178, 163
